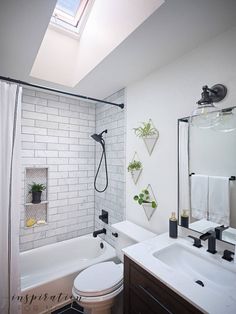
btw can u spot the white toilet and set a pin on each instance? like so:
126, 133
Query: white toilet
97, 287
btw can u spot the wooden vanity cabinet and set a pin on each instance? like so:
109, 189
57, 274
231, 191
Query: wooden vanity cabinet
145, 294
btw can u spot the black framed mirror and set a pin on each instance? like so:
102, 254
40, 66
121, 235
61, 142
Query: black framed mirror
206, 176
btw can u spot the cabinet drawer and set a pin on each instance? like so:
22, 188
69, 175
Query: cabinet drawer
142, 305
138, 306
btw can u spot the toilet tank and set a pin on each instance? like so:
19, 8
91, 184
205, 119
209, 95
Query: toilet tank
128, 234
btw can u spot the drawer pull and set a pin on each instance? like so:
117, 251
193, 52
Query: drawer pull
151, 296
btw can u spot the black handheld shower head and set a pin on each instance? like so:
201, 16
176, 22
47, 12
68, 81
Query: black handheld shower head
98, 137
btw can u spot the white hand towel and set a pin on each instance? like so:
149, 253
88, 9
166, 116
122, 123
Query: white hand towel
199, 196
219, 200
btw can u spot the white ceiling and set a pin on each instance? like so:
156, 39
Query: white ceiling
66, 59
176, 28
22, 27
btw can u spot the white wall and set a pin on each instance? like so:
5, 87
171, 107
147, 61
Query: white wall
166, 95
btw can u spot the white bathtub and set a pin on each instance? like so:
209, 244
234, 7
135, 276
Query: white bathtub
47, 273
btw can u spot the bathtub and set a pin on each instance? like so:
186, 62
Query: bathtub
48, 272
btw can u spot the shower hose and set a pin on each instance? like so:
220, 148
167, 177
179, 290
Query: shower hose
99, 166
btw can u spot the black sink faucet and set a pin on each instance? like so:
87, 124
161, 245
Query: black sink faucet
96, 233
211, 237
219, 231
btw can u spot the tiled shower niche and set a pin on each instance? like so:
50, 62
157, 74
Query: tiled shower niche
36, 214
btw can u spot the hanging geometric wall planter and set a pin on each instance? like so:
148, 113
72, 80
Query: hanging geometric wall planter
135, 168
148, 201
148, 208
149, 134
150, 142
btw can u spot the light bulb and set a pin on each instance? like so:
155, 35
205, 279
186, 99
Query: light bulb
205, 116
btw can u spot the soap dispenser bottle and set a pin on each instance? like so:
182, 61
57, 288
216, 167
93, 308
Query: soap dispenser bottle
184, 218
173, 226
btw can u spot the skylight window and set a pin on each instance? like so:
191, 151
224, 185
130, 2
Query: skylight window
71, 15
68, 6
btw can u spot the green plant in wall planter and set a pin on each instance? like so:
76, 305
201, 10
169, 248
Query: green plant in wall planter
135, 168
148, 133
36, 190
147, 201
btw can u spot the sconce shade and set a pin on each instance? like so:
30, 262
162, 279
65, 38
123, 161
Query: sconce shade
205, 116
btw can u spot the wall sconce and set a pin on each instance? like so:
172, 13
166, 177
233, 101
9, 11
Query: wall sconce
207, 115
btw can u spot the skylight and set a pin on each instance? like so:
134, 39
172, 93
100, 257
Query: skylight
71, 15
68, 6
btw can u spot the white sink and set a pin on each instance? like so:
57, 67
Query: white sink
189, 262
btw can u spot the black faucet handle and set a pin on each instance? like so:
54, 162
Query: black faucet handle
228, 255
222, 227
197, 241
219, 230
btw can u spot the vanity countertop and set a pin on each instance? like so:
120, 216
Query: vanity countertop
205, 299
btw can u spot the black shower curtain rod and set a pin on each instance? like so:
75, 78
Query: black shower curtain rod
8, 79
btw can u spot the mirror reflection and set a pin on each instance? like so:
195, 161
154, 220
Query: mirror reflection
207, 170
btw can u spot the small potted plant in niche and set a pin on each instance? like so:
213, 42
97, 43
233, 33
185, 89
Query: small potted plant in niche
36, 190
135, 168
147, 202
148, 133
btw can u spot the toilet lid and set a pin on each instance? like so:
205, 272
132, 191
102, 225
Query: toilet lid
99, 279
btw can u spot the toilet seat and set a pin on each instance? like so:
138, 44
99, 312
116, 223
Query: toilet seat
96, 299
99, 280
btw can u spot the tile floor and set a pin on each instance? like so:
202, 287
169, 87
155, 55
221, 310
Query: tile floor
72, 308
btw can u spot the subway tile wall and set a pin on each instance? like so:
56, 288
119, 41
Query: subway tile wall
113, 199
56, 134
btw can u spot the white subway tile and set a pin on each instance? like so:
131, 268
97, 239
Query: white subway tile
30, 145
67, 195
33, 130
48, 96
27, 122
59, 105
68, 167
46, 139
33, 100
34, 115
28, 92
57, 161
46, 124
59, 175
68, 113
58, 119
27, 138
58, 203
68, 140
68, 154
60, 133
46, 153
33, 161
28, 107
48, 110
27, 153
58, 147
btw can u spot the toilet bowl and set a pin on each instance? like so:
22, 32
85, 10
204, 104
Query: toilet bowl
97, 287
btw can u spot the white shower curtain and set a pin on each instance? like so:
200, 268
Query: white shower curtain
184, 198
10, 119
